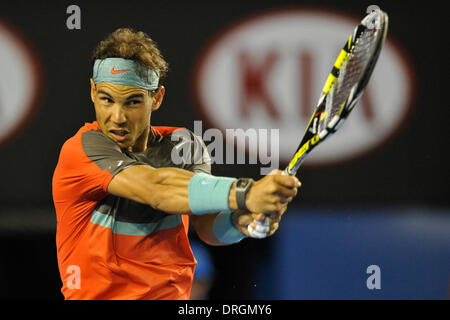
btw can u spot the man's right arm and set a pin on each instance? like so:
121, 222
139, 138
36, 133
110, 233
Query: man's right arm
166, 189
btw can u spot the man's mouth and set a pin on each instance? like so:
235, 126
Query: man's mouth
119, 135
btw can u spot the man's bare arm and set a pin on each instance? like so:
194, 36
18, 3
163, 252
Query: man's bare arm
164, 189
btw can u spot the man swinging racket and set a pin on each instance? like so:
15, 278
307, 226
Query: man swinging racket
123, 207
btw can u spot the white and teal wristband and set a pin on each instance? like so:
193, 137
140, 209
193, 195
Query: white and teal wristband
209, 194
225, 231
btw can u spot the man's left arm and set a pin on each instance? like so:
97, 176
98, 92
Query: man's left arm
206, 226
211, 227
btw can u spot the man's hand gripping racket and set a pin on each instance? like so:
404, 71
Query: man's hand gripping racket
341, 92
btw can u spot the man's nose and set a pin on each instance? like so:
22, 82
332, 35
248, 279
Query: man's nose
118, 114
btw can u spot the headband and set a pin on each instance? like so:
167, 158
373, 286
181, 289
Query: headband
125, 71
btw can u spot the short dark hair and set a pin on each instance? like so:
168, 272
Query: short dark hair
135, 45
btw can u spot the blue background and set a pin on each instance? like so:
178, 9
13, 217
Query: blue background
321, 254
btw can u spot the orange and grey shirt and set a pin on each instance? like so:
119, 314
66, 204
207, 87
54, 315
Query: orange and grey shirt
110, 247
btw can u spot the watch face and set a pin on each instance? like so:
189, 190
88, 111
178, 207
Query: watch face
242, 183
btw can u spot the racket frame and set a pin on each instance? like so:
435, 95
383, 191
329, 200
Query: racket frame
312, 138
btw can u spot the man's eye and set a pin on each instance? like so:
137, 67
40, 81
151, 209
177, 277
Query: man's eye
134, 102
105, 99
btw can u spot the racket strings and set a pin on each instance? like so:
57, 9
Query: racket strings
350, 74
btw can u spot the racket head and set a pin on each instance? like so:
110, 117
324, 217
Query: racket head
357, 66
344, 85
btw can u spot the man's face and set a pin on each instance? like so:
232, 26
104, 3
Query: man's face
124, 112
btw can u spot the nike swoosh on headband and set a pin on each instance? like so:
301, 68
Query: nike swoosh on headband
113, 71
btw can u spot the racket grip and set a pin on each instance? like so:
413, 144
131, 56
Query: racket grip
287, 173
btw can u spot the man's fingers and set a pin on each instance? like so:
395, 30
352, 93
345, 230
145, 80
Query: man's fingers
275, 172
273, 227
258, 216
287, 181
286, 200
286, 192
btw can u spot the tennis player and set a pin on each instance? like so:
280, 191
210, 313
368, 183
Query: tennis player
123, 207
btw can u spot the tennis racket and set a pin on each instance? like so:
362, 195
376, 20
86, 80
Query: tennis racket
343, 88
344, 85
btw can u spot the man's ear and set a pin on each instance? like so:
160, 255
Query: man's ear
92, 90
158, 98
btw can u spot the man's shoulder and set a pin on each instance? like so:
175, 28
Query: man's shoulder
89, 127
164, 131
173, 133
88, 136
179, 146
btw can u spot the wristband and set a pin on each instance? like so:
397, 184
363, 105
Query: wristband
208, 194
224, 229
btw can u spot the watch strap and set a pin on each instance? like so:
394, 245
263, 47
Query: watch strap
242, 187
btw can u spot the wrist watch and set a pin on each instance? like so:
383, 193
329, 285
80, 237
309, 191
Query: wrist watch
242, 187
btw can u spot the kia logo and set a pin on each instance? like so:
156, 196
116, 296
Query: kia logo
20, 82
268, 71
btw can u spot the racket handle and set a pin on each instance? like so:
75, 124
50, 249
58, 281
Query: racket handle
287, 173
